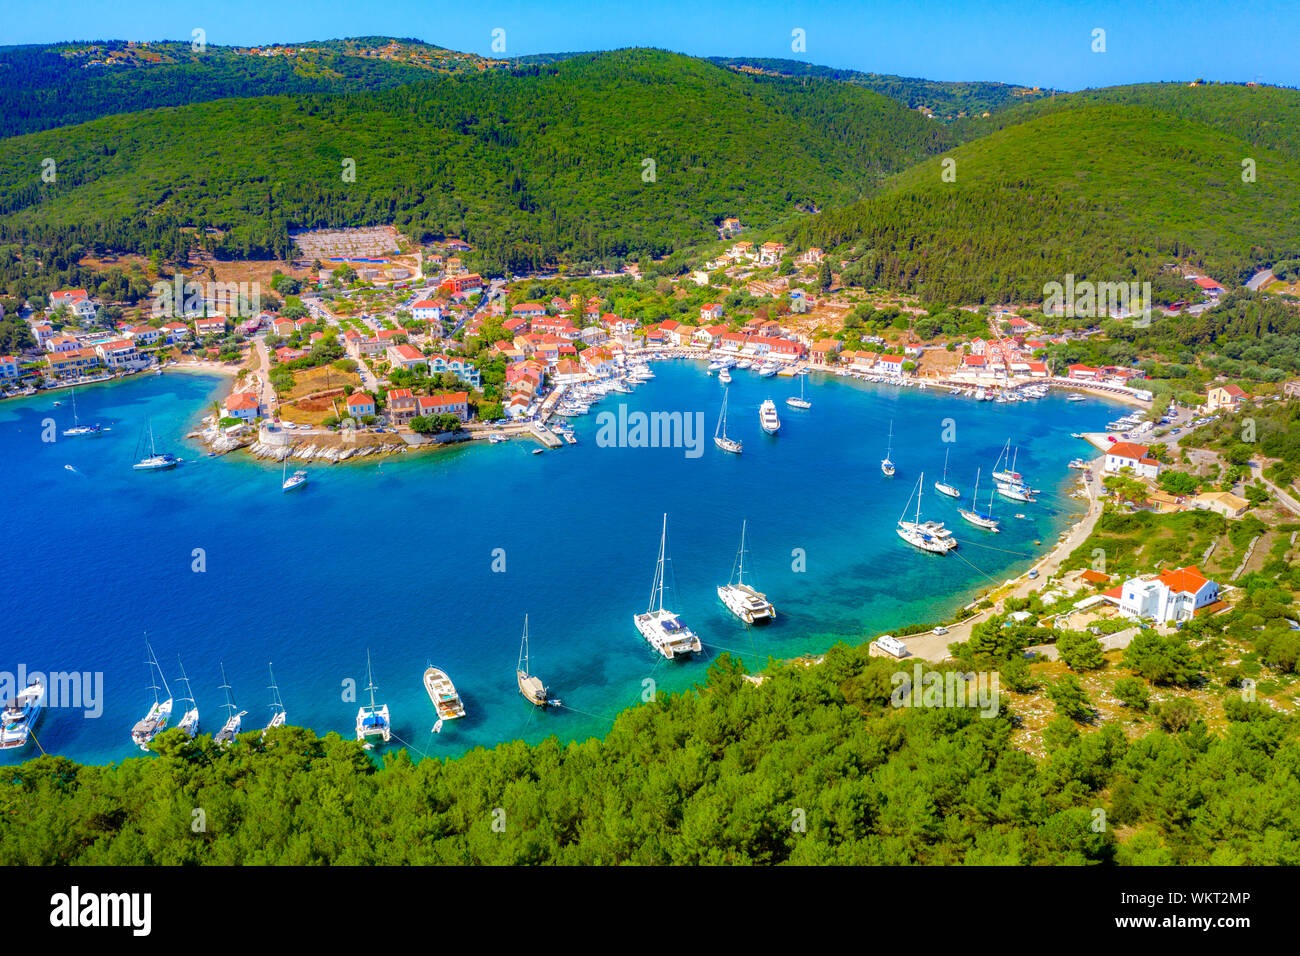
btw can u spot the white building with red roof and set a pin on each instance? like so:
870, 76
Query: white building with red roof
1174, 595
1136, 458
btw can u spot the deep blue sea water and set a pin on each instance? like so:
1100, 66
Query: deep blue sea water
396, 555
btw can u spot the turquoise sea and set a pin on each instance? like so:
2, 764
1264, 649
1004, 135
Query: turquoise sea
397, 555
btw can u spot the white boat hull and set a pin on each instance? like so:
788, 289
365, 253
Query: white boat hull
747, 604
945, 489
669, 643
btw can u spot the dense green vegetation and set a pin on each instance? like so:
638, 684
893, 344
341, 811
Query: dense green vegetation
813, 766
1104, 192
610, 154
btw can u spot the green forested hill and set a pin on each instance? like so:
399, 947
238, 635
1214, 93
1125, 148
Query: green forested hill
1103, 191
814, 766
545, 161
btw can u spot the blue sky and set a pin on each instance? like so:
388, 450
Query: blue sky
1037, 42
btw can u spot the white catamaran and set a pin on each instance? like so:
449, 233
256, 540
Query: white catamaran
659, 626
886, 463
278, 713
372, 720
929, 536
767, 417
230, 729
741, 599
720, 438
530, 686
942, 486
190, 721
156, 720
79, 430
981, 519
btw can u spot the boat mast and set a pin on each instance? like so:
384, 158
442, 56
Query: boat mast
945, 465
276, 703
974, 495
188, 687
919, 487
722, 419
890, 446
657, 588
370, 676
230, 700
522, 666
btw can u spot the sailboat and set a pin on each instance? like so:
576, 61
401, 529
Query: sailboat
190, 721
79, 430
278, 714
153, 723
741, 599
799, 402
767, 417
372, 721
298, 479
929, 536
659, 626
887, 464
230, 729
155, 461
1009, 473
942, 486
981, 519
531, 687
720, 433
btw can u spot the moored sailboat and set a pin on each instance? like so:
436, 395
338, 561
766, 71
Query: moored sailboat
189, 721
234, 719
929, 536
887, 463
296, 480
720, 438
800, 401
278, 713
154, 461
942, 486
741, 599
79, 430
981, 519
531, 686
661, 628
372, 720
159, 713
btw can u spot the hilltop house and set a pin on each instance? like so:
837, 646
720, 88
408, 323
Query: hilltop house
1173, 596
1224, 396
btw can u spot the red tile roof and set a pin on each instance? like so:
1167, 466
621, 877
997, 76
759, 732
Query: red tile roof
1127, 449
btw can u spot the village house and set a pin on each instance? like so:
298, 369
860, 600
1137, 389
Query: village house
63, 343
771, 253
360, 405
1220, 502
407, 357
458, 365
711, 312
529, 310
177, 332
890, 364
1136, 458
242, 405
708, 336
559, 325
461, 286
77, 301
593, 335
8, 368
146, 335
43, 333
597, 361
283, 327
287, 354
401, 405
1172, 596
444, 403
426, 310
72, 362
515, 325
215, 325
1224, 396
117, 354
1083, 373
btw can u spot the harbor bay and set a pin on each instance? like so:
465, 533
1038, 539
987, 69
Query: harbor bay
435, 557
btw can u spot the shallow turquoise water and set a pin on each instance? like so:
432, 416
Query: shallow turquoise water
397, 556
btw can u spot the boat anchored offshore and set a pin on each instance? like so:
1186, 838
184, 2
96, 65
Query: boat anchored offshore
767, 417
190, 720
446, 702
530, 686
234, 720
278, 714
942, 486
18, 718
659, 626
156, 720
155, 461
981, 519
799, 402
741, 599
372, 720
886, 463
929, 536
79, 430
720, 433
296, 480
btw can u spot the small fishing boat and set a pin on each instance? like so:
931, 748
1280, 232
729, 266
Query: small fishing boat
661, 628
372, 720
446, 702
767, 417
159, 713
531, 687
942, 486
886, 463
720, 438
741, 599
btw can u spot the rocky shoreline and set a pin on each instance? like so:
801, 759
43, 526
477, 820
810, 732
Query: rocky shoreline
280, 446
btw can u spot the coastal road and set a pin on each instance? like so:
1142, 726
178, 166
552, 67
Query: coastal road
934, 647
